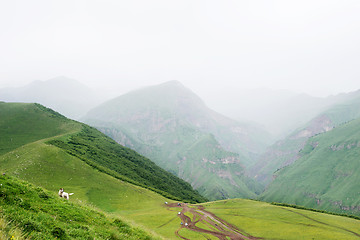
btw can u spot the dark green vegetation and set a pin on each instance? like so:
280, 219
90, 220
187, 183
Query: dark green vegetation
40, 214
327, 174
104, 154
173, 127
25, 123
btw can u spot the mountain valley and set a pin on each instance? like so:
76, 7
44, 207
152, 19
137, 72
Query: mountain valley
185, 137
206, 155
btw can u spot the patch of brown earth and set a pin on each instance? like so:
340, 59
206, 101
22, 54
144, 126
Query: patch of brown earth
218, 227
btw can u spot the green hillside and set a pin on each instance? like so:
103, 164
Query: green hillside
87, 144
30, 212
327, 174
51, 167
280, 154
286, 151
106, 155
173, 127
24, 123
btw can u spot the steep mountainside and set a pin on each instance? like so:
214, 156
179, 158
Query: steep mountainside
286, 151
64, 95
327, 174
173, 127
86, 144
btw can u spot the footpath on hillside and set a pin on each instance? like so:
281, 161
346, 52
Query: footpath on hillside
209, 222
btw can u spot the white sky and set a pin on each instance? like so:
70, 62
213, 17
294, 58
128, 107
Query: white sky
310, 46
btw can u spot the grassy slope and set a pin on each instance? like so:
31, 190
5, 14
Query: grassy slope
327, 176
273, 222
50, 167
100, 151
256, 218
285, 151
24, 123
40, 214
274, 158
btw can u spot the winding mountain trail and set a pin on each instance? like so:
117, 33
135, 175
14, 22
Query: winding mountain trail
194, 215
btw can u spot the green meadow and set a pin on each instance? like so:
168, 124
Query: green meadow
106, 205
268, 221
30, 212
51, 168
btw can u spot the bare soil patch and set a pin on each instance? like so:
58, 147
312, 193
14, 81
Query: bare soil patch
219, 227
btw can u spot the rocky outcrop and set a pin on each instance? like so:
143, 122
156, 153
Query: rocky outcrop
344, 146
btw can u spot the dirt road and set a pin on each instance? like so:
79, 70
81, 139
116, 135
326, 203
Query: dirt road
209, 222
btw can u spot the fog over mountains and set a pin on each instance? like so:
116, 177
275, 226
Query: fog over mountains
221, 157
185, 119
172, 126
65, 95
278, 111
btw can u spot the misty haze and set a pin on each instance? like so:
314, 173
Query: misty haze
142, 109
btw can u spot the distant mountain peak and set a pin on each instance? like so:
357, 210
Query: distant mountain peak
65, 95
167, 94
57, 82
174, 85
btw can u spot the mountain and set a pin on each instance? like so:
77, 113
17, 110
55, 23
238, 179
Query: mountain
65, 95
326, 176
82, 142
173, 127
284, 152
